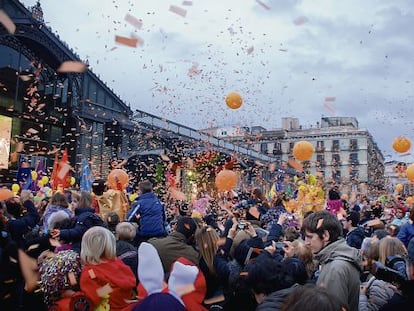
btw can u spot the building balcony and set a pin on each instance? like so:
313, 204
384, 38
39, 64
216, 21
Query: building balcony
277, 152
320, 149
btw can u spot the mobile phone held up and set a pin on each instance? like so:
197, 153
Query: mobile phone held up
242, 226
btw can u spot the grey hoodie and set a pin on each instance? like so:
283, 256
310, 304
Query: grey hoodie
340, 267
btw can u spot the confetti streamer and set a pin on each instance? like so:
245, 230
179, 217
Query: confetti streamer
132, 42
72, 66
7, 22
330, 99
178, 10
137, 23
263, 5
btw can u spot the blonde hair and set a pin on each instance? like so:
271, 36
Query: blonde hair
125, 231
305, 254
206, 239
98, 245
390, 246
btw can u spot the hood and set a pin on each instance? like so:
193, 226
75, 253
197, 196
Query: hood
358, 231
339, 250
106, 270
275, 300
80, 210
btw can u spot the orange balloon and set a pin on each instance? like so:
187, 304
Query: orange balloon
5, 194
303, 150
226, 180
401, 144
399, 187
409, 200
118, 179
234, 100
410, 172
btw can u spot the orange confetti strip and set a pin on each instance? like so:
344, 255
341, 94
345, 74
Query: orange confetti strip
137, 23
7, 22
178, 10
72, 66
132, 42
263, 5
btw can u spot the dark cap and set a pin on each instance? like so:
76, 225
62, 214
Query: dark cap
187, 226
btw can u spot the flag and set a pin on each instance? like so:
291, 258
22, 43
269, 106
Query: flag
53, 181
86, 179
60, 173
28, 181
63, 176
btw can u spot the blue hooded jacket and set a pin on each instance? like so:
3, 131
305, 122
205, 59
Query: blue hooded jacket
148, 211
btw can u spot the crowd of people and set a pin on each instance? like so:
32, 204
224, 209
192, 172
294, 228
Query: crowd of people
98, 251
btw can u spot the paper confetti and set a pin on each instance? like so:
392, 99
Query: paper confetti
263, 5
72, 66
137, 23
300, 20
178, 10
250, 50
188, 3
132, 42
330, 99
7, 22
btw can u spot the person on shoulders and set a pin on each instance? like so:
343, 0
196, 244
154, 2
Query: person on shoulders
149, 213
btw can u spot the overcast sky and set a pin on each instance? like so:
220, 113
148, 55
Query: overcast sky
285, 57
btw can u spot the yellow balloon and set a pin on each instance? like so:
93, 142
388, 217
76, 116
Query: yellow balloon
34, 175
72, 181
45, 180
40, 184
133, 196
15, 188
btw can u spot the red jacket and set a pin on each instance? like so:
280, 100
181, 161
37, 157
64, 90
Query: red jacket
114, 273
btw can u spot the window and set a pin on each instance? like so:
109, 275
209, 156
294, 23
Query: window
320, 160
353, 144
336, 159
263, 147
336, 175
291, 146
353, 158
335, 145
277, 150
320, 146
353, 174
